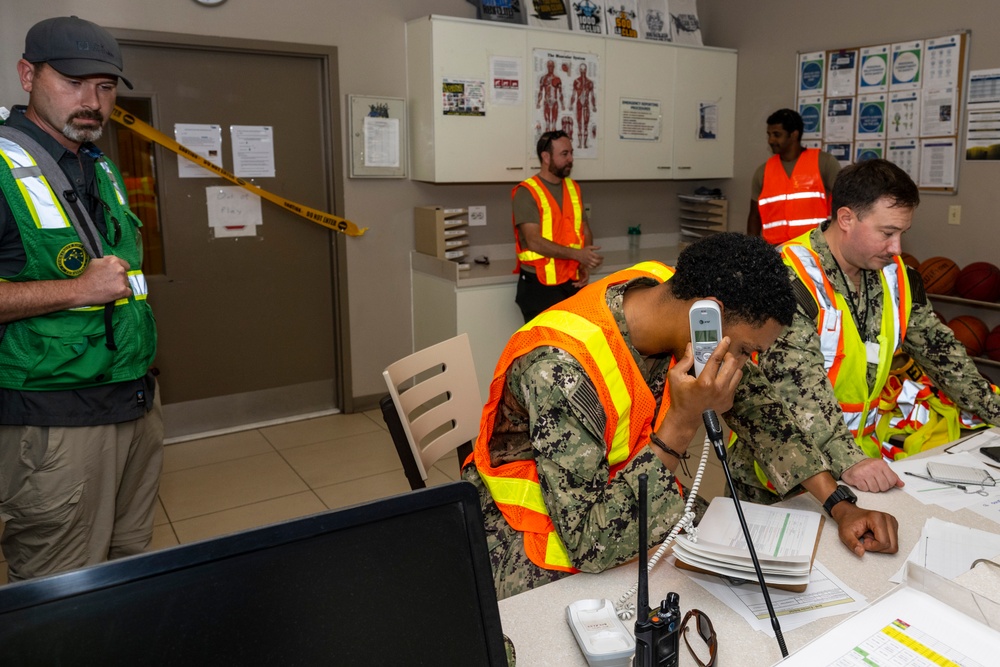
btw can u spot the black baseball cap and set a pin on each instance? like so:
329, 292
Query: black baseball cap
74, 47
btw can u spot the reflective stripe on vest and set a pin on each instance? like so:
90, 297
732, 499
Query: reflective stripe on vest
140, 290
628, 404
557, 226
789, 206
35, 189
122, 198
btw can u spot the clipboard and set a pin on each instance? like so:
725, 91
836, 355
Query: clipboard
785, 587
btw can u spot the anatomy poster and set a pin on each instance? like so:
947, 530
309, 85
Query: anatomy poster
566, 97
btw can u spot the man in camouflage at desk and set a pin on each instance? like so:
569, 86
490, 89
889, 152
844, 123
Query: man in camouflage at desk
794, 412
596, 390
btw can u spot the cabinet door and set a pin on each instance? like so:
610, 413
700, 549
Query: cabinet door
579, 102
704, 113
475, 145
639, 108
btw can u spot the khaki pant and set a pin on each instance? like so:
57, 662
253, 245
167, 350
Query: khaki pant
77, 496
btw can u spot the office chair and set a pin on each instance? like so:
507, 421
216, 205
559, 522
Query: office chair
433, 406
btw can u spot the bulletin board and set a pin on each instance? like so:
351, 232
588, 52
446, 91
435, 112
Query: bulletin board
901, 101
378, 137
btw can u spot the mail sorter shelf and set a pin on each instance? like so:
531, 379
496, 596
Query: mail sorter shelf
701, 216
442, 232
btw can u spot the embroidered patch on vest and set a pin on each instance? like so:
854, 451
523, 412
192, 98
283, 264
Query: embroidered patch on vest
72, 259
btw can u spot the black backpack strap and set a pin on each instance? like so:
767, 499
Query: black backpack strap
916, 285
805, 299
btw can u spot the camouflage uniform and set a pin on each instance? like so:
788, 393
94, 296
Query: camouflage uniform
785, 411
550, 412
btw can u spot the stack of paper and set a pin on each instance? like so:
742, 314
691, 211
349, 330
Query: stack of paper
785, 541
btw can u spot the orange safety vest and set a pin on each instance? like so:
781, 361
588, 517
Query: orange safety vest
790, 206
560, 224
584, 327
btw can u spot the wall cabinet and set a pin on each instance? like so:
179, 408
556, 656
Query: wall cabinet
692, 91
704, 104
651, 85
462, 148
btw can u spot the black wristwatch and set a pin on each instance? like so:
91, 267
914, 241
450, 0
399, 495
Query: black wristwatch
842, 493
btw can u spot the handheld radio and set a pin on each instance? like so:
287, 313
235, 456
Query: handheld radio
657, 631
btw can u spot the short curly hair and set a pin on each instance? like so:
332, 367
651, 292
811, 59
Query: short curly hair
744, 272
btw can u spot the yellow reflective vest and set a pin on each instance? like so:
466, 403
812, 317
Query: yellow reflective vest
845, 354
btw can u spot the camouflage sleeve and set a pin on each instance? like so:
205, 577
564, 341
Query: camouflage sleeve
594, 518
934, 347
786, 415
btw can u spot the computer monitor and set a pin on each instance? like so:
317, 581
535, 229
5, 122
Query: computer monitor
400, 581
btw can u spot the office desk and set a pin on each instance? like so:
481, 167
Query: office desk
536, 620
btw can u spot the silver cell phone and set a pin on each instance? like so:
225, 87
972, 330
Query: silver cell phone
706, 331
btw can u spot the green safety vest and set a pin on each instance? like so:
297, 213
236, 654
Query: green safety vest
71, 349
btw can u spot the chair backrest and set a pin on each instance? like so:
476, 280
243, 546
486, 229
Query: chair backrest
436, 395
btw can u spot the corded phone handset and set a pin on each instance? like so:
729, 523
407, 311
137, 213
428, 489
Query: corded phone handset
705, 320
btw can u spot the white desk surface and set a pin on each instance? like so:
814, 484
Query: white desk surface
536, 620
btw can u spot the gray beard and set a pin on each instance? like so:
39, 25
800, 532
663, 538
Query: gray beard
82, 135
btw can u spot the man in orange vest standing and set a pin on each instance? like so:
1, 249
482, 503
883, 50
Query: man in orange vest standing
790, 193
595, 391
551, 236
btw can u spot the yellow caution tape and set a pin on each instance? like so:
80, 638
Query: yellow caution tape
313, 215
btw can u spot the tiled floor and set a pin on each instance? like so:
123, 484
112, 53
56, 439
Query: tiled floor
228, 483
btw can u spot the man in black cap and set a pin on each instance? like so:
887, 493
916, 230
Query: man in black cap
81, 434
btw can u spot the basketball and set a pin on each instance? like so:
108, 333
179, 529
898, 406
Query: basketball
979, 281
910, 260
993, 344
939, 274
970, 332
